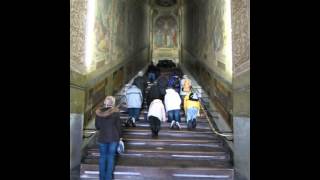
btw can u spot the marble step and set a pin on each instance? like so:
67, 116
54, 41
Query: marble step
89, 171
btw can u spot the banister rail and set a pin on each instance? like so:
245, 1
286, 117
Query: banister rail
212, 126
76, 86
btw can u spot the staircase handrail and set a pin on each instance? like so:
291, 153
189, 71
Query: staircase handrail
210, 124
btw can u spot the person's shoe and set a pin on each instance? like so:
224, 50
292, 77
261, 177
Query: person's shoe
156, 131
189, 124
194, 123
172, 123
153, 134
178, 125
127, 123
133, 122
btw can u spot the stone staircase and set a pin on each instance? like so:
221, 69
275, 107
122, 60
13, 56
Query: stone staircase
174, 154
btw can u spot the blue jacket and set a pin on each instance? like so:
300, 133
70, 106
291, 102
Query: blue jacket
134, 97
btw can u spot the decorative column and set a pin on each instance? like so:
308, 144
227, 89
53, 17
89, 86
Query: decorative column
241, 86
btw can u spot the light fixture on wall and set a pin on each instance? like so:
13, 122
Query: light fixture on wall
89, 40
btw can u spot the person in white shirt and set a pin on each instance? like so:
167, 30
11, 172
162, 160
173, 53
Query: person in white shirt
172, 103
156, 114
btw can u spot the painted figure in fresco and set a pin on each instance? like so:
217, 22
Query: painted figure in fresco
102, 24
218, 29
174, 38
99, 35
166, 36
158, 39
103, 43
169, 42
218, 43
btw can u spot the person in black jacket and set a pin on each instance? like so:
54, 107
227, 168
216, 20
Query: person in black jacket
152, 72
108, 124
154, 93
141, 82
162, 84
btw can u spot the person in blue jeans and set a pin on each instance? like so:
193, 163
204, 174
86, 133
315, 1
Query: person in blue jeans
106, 160
152, 72
134, 102
134, 112
108, 124
151, 76
172, 103
174, 118
191, 109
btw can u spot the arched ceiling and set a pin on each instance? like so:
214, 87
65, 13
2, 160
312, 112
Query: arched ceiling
166, 3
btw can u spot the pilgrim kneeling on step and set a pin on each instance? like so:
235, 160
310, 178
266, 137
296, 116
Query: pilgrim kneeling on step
191, 108
156, 114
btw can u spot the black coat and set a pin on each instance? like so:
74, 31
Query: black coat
141, 83
163, 84
152, 69
109, 125
154, 93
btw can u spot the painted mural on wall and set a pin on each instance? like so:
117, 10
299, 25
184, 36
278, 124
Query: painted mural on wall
219, 36
207, 35
118, 32
102, 30
129, 28
77, 38
120, 22
241, 36
165, 34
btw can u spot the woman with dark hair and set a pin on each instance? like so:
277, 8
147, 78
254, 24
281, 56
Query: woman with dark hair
109, 125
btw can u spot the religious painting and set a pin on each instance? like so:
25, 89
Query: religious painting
120, 21
102, 30
218, 27
118, 77
165, 34
120, 15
